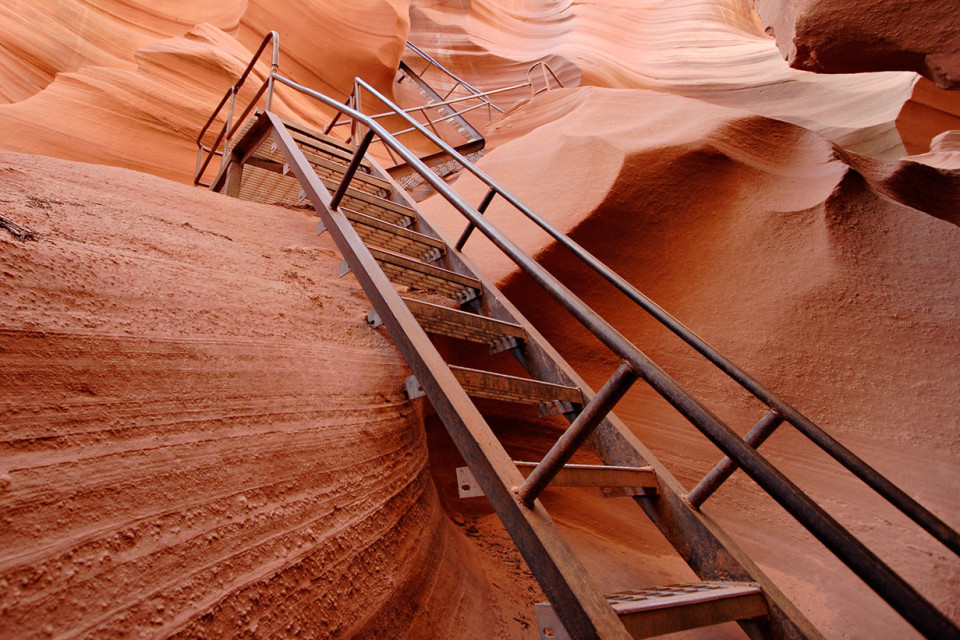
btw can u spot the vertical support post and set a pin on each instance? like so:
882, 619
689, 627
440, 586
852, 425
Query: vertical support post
226, 127
269, 99
487, 199
725, 468
351, 170
423, 110
452, 89
196, 172
234, 177
578, 431
357, 104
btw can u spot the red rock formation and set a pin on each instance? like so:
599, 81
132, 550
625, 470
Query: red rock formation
836, 36
712, 50
180, 458
201, 436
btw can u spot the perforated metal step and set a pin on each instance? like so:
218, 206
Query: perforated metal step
661, 610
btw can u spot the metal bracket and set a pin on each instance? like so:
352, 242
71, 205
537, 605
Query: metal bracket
344, 268
373, 319
467, 484
503, 344
431, 256
548, 623
285, 170
468, 487
556, 407
411, 386
301, 196
467, 295
321, 227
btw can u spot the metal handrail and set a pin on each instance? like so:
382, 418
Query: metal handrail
546, 82
894, 495
426, 56
870, 568
475, 94
231, 94
634, 363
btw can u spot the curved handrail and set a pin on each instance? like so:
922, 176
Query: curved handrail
546, 68
231, 94
894, 495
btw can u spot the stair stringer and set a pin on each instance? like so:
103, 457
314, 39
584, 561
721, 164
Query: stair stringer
581, 606
699, 540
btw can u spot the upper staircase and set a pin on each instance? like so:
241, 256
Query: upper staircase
420, 284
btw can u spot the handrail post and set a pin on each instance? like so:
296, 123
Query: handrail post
578, 431
487, 199
725, 468
226, 126
351, 169
196, 172
269, 99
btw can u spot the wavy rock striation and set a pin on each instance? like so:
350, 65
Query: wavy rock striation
712, 50
202, 437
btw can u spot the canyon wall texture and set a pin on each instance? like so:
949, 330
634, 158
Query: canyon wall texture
201, 437
835, 36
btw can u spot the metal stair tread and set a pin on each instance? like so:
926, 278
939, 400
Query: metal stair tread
370, 200
659, 611
597, 475
324, 147
316, 134
272, 159
384, 235
499, 386
370, 179
454, 323
613, 481
405, 270
390, 217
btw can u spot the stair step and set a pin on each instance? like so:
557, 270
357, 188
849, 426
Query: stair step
384, 235
363, 181
612, 481
405, 270
338, 153
302, 134
386, 210
444, 321
314, 133
269, 157
661, 610
435, 159
550, 398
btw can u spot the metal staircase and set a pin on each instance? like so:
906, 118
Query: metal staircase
405, 266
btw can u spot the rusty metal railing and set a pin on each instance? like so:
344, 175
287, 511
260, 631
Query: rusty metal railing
447, 109
782, 410
227, 133
636, 365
